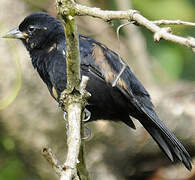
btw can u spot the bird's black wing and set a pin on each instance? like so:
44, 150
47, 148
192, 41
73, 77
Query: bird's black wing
56, 69
106, 66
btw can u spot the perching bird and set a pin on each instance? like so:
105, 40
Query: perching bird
44, 38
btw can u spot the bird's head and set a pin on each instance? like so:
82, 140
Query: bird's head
38, 31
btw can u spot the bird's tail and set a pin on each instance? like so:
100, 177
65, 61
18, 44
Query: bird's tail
166, 140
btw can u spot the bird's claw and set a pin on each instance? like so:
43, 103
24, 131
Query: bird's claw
87, 132
87, 115
64, 116
61, 105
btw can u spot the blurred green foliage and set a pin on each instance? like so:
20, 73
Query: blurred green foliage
12, 165
166, 9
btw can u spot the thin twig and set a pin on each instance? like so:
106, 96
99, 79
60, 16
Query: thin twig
51, 158
138, 50
124, 65
173, 22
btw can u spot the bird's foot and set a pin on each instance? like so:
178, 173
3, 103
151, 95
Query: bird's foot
87, 131
87, 115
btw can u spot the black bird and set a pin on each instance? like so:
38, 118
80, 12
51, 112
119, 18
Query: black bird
43, 36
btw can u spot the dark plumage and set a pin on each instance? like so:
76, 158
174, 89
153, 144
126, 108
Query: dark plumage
43, 36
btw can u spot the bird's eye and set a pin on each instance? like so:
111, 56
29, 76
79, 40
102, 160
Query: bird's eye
31, 29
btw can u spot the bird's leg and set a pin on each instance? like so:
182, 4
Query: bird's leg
87, 115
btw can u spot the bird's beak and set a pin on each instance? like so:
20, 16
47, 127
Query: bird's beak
15, 33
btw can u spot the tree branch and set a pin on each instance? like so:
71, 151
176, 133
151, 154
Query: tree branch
73, 140
51, 158
73, 100
132, 15
173, 22
74, 105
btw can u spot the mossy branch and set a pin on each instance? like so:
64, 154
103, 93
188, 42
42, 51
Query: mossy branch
73, 97
73, 101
